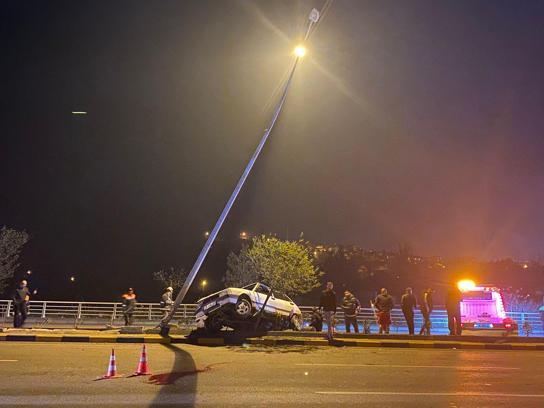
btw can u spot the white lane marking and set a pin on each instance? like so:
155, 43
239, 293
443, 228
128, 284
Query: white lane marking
433, 394
8, 361
408, 366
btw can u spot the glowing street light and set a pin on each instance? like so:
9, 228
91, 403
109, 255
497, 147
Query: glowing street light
203, 284
206, 234
72, 278
300, 51
243, 235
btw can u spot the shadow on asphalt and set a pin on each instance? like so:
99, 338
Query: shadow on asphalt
178, 386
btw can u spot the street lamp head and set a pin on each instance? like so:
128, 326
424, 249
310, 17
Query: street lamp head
300, 51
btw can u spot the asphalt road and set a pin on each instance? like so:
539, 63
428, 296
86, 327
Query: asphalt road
62, 374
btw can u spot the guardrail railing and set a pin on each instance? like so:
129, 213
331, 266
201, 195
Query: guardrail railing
88, 313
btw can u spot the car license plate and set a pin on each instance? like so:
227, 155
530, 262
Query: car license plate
210, 305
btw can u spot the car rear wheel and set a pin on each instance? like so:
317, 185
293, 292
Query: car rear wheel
296, 322
243, 308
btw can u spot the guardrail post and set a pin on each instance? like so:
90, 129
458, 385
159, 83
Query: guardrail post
9, 308
149, 312
44, 307
114, 315
79, 310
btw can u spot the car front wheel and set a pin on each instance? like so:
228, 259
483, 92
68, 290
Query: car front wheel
243, 308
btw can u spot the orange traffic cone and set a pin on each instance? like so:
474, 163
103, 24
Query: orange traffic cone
142, 369
112, 368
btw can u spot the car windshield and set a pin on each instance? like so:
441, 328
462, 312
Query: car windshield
249, 287
263, 289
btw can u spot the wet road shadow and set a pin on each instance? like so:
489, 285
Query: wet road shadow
178, 386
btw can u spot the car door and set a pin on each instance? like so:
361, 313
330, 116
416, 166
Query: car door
284, 304
261, 293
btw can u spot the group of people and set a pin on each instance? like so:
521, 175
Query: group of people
129, 304
382, 306
21, 300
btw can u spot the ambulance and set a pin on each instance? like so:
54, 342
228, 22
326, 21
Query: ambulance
483, 311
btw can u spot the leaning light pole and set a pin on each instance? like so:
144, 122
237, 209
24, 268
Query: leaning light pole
299, 52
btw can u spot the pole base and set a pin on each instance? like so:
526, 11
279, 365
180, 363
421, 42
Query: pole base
165, 331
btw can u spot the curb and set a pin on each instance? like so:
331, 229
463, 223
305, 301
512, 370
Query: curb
397, 344
90, 339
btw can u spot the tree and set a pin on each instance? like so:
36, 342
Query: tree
241, 269
11, 245
285, 266
172, 276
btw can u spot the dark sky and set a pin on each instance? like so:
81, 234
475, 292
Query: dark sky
409, 121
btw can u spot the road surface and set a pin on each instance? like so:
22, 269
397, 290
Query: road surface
62, 374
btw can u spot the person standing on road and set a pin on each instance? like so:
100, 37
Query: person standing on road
351, 306
408, 303
453, 307
327, 303
426, 307
20, 298
384, 304
166, 301
129, 304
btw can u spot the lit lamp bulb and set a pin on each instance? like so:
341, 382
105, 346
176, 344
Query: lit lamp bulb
300, 51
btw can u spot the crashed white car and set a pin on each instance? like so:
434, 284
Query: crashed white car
243, 307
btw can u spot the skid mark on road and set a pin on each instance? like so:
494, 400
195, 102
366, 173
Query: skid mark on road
408, 366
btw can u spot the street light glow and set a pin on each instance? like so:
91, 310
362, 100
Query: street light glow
466, 285
300, 51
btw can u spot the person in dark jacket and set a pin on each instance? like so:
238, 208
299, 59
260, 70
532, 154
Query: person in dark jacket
129, 304
351, 306
426, 307
408, 303
20, 298
383, 304
327, 303
453, 307
316, 319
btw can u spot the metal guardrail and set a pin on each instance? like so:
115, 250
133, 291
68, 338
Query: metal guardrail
82, 313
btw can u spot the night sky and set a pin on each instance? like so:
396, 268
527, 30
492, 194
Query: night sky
419, 122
